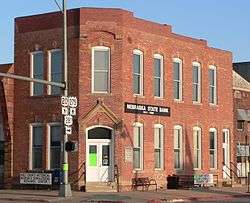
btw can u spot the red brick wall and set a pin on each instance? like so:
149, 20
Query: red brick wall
122, 32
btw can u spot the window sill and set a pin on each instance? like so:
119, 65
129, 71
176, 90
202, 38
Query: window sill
197, 169
159, 169
44, 96
197, 103
159, 98
178, 101
139, 96
137, 170
213, 105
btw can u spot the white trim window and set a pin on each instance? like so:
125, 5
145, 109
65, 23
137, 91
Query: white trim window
212, 85
138, 146
137, 72
177, 76
158, 75
197, 147
196, 77
213, 148
55, 70
36, 146
37, 72
54, 141
158, 146
178, 147
100, 69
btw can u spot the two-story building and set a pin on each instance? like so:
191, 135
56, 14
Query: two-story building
152, 103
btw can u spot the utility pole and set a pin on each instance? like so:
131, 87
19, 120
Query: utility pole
65, 189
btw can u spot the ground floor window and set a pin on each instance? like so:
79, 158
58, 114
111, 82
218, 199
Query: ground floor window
197, 147
213, 148
138, 146
178, 147
158, 145
37, 146
55, 132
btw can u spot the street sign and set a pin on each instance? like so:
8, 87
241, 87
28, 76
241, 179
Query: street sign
72, 102
68, 120
65, 111
72, 111
64, 101
68, 130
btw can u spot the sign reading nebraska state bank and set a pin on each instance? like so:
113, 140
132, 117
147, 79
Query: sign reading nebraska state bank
146, 109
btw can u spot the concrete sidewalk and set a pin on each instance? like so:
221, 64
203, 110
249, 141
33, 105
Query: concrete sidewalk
199, 194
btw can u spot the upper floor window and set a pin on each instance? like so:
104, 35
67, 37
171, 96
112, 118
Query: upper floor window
212, 85
178, 147
55, 70
213, 148
196, 82
36, 161
137, 72
158, 75
101, 69
37, 72
197, 147
138, 146
158, 143
177, 71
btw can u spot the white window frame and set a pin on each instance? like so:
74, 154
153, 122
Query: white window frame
31, 125
140, 53
160, 57
178, 60
140, 126
212, 67
32, 72
161, 128
198, 65
49, 68
195, 130
179, 127
48, 164
215, 148
100, 48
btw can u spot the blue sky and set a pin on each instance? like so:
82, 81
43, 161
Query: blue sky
225, 24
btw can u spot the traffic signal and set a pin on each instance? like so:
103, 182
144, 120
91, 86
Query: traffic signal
71, 146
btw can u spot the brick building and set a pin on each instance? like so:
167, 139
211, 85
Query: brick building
151, 102
241, 92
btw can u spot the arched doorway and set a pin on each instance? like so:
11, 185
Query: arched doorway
99, 154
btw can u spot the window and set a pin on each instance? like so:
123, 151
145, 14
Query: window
55, 70
158, 75
178, 157
138, 146
158, 145
100, 69
197, 147
138, 72
55, 131
196, 82
37, 145
177, 70
212, 85
240, 125
213, 148
37, 72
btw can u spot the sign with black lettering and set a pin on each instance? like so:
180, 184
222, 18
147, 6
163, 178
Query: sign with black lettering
36, 178
146, 109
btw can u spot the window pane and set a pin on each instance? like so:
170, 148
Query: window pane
195, 74
101, 81
136, 158
157, 158
211, 94
176, 90
195, 92
136, 84
101, 60
55, 154
137, 139
56, 62
176, 71
157, 137
177, 158
37, 157
212, 140
212, 159
211, 77
38, 63
157, 67
176, 138
157, 87
240, 125
105, 155
137, 64
37, 136
55, 135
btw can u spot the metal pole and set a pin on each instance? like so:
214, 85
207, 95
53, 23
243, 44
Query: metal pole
65, 189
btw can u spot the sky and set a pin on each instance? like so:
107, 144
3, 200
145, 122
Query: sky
225, 24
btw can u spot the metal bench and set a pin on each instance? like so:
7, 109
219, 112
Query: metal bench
143, 182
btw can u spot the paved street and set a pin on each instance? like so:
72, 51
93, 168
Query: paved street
194, 195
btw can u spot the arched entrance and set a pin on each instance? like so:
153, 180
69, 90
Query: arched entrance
99, 154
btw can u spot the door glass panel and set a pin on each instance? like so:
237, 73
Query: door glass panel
105, 155
92, 155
